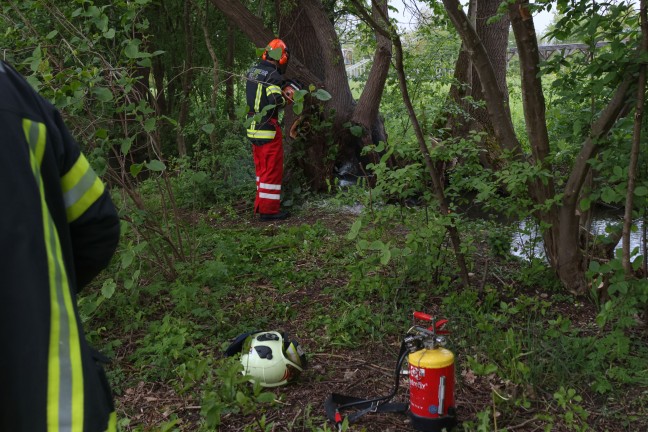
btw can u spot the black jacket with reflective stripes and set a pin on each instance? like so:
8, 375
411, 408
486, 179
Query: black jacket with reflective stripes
263, 89
58, 229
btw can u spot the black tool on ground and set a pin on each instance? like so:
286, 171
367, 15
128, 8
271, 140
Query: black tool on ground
431, 405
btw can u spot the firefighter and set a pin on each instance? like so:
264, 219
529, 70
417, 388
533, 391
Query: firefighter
58, 229
264, 87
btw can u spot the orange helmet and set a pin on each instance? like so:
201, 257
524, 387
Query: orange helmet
277, 44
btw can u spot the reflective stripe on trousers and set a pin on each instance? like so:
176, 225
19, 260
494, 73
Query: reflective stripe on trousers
268, 163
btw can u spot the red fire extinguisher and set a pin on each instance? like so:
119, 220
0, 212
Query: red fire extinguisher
431, 377
431, 405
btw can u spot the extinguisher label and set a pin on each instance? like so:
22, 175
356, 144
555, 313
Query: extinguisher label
417, 373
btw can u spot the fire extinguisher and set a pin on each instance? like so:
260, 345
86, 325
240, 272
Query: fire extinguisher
431, 405
431, 376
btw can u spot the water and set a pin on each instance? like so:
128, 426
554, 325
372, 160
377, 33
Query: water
527, 242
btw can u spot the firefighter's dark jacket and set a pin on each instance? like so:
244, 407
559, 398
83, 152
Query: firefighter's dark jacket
58, 229
263, 88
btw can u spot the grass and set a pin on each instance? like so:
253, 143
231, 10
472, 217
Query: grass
528, 356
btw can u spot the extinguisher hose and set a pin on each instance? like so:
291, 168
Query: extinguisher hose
384, 399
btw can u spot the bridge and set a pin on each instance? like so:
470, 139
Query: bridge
354, 70
546, 51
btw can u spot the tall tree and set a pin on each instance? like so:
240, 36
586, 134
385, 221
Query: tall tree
492, 29
563, 242
316, 59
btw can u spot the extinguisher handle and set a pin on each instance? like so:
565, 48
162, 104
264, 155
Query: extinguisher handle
423, 316
439, 324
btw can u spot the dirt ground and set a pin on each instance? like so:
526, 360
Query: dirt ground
366, 370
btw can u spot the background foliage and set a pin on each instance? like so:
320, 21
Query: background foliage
194, 269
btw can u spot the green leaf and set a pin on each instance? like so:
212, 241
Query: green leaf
355, 229
609, 195
126, 144
155, 165
132, 49
385, 256
149, 124
322, 95
377, 245
618, 171
641, 191
51, 34
103, 94
110, 34
214, 416
356, 131
241, 398
266, 397
241, 111
594, 266
585, 204
275, 53
208, 128
127, 259
108, 288
135, 169
145, 62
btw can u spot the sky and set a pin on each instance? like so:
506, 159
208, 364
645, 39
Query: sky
541, 19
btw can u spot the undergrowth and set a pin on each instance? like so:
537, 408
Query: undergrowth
339, 281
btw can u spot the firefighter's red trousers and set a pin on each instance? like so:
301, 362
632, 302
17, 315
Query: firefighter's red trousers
268, 162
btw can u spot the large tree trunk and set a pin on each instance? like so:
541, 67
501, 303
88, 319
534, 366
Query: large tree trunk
562, 237
636, 140
229, 77
186, 79
494, 37
316, 58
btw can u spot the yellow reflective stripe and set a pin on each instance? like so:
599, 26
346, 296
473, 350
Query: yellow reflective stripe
81, 188
257, 99
112, 422
65, 371
273, 89
36, 135
261, 134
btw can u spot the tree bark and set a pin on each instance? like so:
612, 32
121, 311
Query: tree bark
636, 140
534, 113
494, 36
459, 124
256, 31
384, 28
215, 75
562, 237
229, 76
316, 58
496, 100
186, 80
366, 111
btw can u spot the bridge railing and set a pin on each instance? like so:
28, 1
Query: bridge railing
546, 51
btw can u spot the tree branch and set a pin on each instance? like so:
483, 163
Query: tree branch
256, 31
